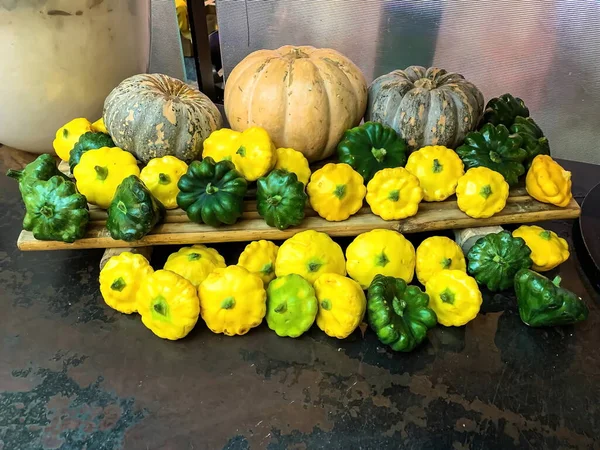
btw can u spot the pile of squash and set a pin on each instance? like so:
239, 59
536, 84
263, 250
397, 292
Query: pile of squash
427, 136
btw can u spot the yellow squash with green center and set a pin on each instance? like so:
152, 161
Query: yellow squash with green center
252, 152
481, 192
232, 301
438, 169
101, 171
310, 254
342, 304
121, 278
168, 304
548, 250
194, 263
161, 176
454, 296
259, 258
438, 253
394, 194
293, 161
336, 191
68, 135
384, 252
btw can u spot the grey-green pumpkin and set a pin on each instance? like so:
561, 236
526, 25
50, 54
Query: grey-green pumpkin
154, 115
426, 106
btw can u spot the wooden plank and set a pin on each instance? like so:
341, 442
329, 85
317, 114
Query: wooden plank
177, 229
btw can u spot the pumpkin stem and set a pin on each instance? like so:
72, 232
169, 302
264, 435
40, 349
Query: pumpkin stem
446, 262
437, 166
394, 195
118, 285
101, 172
424, 83
228, 303
399, 305
379, 154
281, 308
382, 260
326, 304
267, 269
121, 207
194, 256
16, 174
210, 189
163, 178
495, 157
556, 281
340, 191
314, 266
545, 235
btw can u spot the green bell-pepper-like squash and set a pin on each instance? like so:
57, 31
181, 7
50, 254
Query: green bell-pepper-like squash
291, 305
504, 110
371, 147
534, 141
55, 211
134, 211
212, 193
496, 258
88, 141
280, 199
399, 314
543, 303
41, 169
493, 147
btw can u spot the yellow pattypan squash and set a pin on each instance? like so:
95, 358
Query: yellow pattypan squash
161, 176
454, 297
342, 304
99, 127
293, 161
194, 263
121, 278
336, 191
100, 172
438, 169
394, 194
309, 254
438, 253
259, 258
232, 300
68, 135
547, 249
384, 252
252, 151
168, 304
548, 182
481, 192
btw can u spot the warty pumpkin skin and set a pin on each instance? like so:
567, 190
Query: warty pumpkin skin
155, 115
426, 106
304, 97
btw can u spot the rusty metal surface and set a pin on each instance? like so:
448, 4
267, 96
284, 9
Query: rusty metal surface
75, 374
547, 52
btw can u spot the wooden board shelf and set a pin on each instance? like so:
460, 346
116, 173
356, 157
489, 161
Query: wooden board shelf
177, 229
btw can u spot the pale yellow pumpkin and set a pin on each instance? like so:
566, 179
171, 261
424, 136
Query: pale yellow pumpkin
304, 97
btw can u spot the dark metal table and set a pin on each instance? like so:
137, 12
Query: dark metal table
75, 374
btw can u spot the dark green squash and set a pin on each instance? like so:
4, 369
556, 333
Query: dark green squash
496, 258
371, 147
134, 211
212, 193
280, 199
504, 110
398, 313
425, 106
495, 148
55, 211
534, 141
88, 141
41, 169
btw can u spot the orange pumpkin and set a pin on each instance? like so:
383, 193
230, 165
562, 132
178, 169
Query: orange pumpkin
304, 97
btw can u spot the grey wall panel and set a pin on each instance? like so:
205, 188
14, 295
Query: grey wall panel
167, 56
545, 51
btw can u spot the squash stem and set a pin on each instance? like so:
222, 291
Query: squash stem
556, 281
379, 154
16, 174
101, 172
210, 189
163, 178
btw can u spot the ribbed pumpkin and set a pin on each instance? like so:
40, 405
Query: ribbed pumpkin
155, 115
303, 96
426, 106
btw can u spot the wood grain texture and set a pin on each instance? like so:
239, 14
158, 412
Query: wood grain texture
177, 229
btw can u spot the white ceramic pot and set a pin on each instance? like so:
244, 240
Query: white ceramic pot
60, 59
